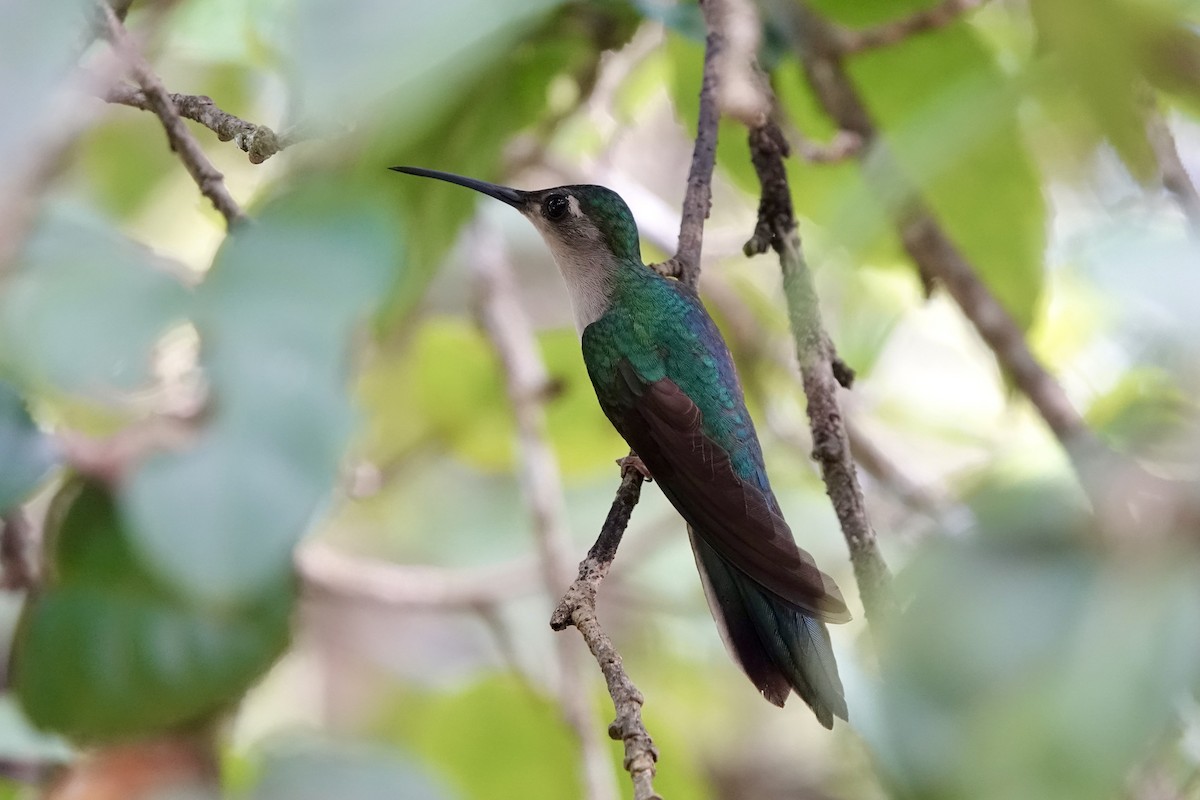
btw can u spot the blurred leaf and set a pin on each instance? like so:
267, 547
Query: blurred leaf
87, 306
1105, 53
29, 454
493, 739
947, 115
316, 770
459, 388
39, 44
108, 651
348, 59
583, 438
469, 136
1144, 408
1026, 666
124, 160
275, 316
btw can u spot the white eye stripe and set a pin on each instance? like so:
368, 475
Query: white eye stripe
573, 205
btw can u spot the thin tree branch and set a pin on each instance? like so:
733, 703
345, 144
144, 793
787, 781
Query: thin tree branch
508, 328
1172, 172
326, 571
258, 141
578, 608
697, 200
852, 41
20, 572
776, 228
210, 181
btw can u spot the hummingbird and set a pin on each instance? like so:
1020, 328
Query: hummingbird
665, 379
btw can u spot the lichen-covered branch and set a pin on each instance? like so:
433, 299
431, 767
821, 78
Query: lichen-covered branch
210, 181
893, 32
776, 229
258, 142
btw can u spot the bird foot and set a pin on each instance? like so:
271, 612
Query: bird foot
635, 462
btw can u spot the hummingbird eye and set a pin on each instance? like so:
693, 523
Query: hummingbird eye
555, 207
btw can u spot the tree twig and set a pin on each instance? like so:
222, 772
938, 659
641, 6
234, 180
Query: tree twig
258, 142
578, 608
20, 572
210, 181
324, 570
697, 200
508, 328
1172, 172
889, 33
776, 228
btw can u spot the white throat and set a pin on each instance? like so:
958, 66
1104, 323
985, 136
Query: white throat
588, 283
586, 263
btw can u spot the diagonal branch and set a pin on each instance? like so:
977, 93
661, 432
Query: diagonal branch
852, 41
777, 229
258, 141
1172, 172
206, 176
578, 608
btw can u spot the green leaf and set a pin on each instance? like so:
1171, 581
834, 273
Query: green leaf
117, 297
351, 60
1026, 666
488, 737
108, 651
948, 118
276, 317
508, 95
460, 392
310, 769
39, 46
1104, 56
29, 454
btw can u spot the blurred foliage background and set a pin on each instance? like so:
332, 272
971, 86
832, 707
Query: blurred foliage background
350, 400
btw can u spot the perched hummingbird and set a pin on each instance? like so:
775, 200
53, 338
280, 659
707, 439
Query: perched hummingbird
665, 379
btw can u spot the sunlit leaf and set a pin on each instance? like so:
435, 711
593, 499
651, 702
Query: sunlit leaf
107, 650
485, 738
947, 116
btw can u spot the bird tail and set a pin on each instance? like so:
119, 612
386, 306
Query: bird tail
779, 647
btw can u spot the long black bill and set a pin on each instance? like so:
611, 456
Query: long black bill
513, 197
